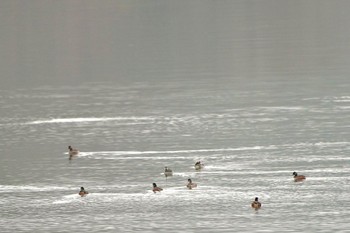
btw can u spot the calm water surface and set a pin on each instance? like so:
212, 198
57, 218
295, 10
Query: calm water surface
252, 92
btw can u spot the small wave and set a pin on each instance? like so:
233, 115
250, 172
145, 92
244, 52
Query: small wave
28, 188
343, 107
181, 151
98, 197
183, 174
326, 144
89, 119
68, 199
312, 144
283, 108
347, 100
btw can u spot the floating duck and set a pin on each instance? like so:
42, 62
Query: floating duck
82, 192
190, 184
168, 172
198, 165
156, 189
256, 204
298, 177
72, 152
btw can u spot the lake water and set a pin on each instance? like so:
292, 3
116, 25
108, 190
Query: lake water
254, 89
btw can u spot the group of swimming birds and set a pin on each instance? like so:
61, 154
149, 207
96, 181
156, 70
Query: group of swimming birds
190, 185
169, 172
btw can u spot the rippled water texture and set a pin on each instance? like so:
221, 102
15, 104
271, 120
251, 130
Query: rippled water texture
254, 89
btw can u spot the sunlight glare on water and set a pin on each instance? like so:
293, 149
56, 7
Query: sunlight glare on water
255, 90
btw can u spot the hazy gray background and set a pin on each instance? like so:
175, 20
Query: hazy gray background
70, 42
